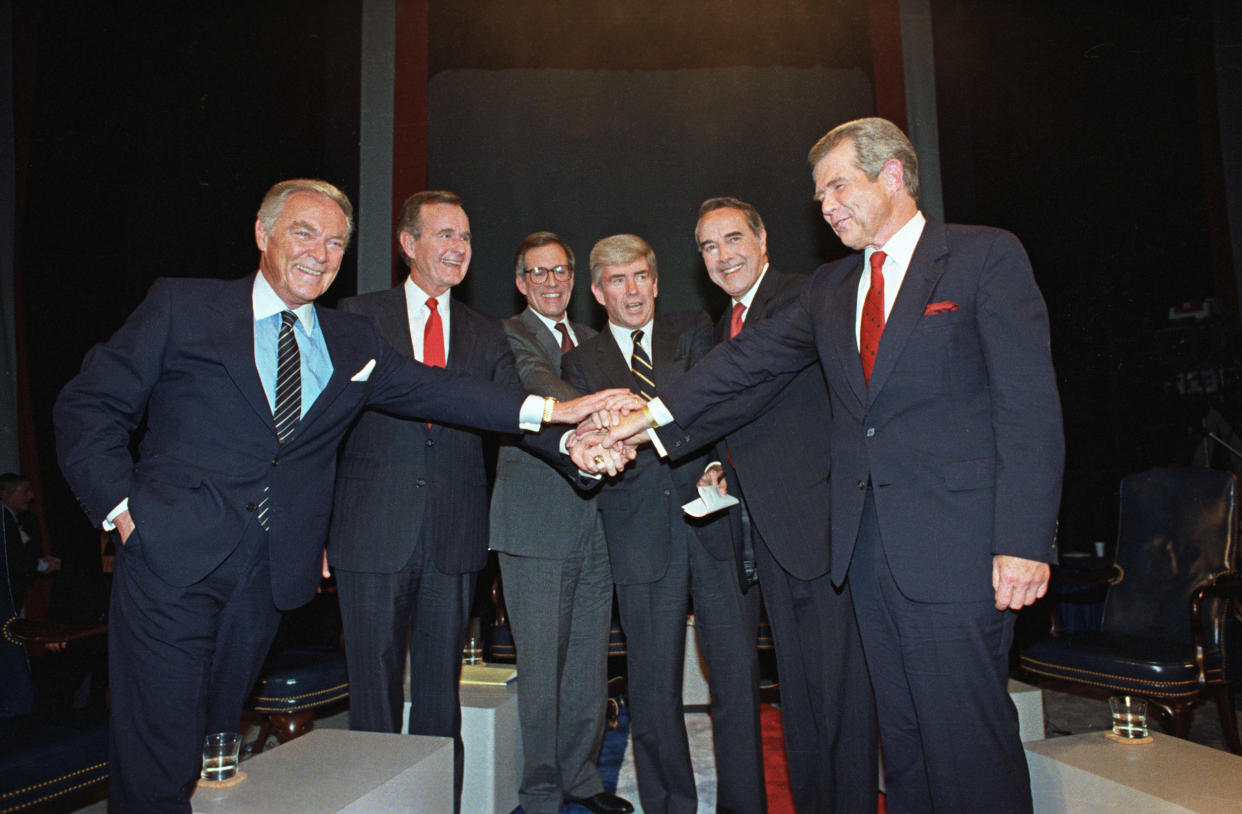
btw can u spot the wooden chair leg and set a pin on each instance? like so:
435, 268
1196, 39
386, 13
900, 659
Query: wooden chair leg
1181, 721
289, 725
1228, 718
260, 741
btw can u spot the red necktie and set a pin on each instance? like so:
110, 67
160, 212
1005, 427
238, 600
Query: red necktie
567, 344
433, 337
872, 316
735, 323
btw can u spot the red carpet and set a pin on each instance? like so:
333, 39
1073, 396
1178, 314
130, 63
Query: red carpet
775, 771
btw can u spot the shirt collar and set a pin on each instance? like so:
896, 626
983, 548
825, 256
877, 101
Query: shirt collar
415, 294
266, 302
620, 332
550, 323
900, 247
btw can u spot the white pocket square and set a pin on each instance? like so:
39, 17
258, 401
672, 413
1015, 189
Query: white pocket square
365, 373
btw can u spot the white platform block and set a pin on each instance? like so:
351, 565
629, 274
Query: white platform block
335, 771
694, 691
1091, 774
1030, 703
492, 740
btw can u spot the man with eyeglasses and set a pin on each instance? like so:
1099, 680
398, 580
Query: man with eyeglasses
554, 561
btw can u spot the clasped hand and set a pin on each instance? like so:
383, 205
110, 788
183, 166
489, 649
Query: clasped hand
606, 440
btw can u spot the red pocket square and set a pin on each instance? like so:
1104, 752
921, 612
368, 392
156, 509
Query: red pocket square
939, 307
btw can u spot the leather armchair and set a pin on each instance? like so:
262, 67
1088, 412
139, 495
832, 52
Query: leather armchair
1169, 603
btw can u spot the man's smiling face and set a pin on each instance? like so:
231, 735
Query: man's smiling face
440, 255
302, 254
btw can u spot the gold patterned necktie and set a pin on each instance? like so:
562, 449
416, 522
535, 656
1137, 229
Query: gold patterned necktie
640, 365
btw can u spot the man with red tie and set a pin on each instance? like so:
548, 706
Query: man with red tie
780, 471
946, 460
410, 520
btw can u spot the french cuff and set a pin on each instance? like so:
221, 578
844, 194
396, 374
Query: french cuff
121, 508
530, 417
662, 416
659, 412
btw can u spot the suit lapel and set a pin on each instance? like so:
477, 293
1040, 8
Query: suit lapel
549, 344
394, 322
844, 308
921, 277
664, 342
614, 367
347, 359
232, 331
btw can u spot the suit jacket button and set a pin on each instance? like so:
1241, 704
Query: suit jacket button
862, 484
250, 507
667, 492
431, 442
420, 482
275, 462
871, 432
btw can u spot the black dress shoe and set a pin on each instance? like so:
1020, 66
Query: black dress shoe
604, 803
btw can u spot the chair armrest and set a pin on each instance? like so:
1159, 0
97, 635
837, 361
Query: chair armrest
1227, 585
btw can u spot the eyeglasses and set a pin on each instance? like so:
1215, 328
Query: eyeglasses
561, 273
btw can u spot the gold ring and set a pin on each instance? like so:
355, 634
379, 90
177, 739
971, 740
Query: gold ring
598, 460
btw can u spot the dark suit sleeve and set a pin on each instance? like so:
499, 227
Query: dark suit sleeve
739, 378
725, 417
1012, 323
99, 408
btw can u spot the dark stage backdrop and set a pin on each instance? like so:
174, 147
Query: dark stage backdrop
592, 153
592, 119
1082, 130
147, 133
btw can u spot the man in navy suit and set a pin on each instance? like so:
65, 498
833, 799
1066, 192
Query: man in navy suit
780, 471
947, 454
222, 518
663, 560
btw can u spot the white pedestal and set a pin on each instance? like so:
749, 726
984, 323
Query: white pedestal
1030, 703
332, 770
492, 741
1091, 774
694, 691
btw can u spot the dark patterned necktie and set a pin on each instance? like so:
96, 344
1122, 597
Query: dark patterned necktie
872, 325
567, 344
640, 365
288, 410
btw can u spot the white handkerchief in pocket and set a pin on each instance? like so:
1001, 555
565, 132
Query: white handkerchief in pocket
365, 373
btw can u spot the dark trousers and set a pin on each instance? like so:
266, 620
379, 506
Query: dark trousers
726, 621
182, 661
380, 613
559, 612
940, 670
827, 708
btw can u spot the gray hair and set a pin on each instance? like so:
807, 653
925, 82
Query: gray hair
876, 141
620, 249
274, 200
